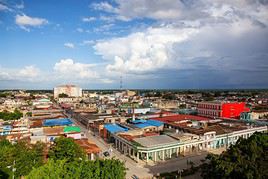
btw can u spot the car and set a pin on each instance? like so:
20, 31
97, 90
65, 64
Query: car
135, 177
106, 154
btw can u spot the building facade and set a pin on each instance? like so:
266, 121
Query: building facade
70, 90
166, 147
222, 109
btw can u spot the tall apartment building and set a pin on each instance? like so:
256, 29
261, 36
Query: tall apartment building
70, 90
221, 109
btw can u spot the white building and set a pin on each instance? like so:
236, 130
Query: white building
70, 90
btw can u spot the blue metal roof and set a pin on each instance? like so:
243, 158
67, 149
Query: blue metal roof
155, 122
58, 122
146, 123
142, 125
113, 128
136, 121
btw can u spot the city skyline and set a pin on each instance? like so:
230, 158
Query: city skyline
151, 44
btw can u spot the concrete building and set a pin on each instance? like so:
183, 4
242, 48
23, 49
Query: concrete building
155, 147
70, 90
221, 109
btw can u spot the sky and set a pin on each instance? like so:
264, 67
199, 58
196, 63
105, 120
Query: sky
151, 44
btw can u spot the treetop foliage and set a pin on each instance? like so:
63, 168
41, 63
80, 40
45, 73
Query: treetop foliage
247, 159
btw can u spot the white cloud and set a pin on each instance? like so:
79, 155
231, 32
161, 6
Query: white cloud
185, 30
68, 69
103, 28
27, 73
88, 19
143, 51
25, 21
69, 45
107, 18
104, 6
206, 11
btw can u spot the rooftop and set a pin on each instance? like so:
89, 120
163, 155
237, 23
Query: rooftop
153, 141
71, 129
87, 146
52, 131
114, 128
140, 123
180, 117
57, 122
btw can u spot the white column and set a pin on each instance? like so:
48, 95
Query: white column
147, 157
163, 154
137, 156
155, 159
170, 151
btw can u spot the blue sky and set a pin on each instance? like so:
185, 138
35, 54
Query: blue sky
151, 43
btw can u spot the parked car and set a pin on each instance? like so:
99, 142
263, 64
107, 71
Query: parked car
106, 154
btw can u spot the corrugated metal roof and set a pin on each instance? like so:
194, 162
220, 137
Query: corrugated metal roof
113, 128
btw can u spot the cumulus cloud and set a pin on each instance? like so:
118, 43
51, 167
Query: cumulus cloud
25, 21
27, 73
192, 38
143, 51
69, 45
174, 10
68, 68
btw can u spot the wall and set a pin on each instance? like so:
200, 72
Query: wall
233, 110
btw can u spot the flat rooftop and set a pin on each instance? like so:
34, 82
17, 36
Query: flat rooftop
153, 141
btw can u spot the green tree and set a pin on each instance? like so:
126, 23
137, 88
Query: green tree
113, 169
247, 159
11, 116
63, 95
66, 148
21, 156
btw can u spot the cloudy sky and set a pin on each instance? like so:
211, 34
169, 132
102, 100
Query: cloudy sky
150, 43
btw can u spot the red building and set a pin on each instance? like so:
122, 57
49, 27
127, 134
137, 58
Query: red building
222, 109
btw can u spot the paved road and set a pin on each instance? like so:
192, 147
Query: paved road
176, 164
